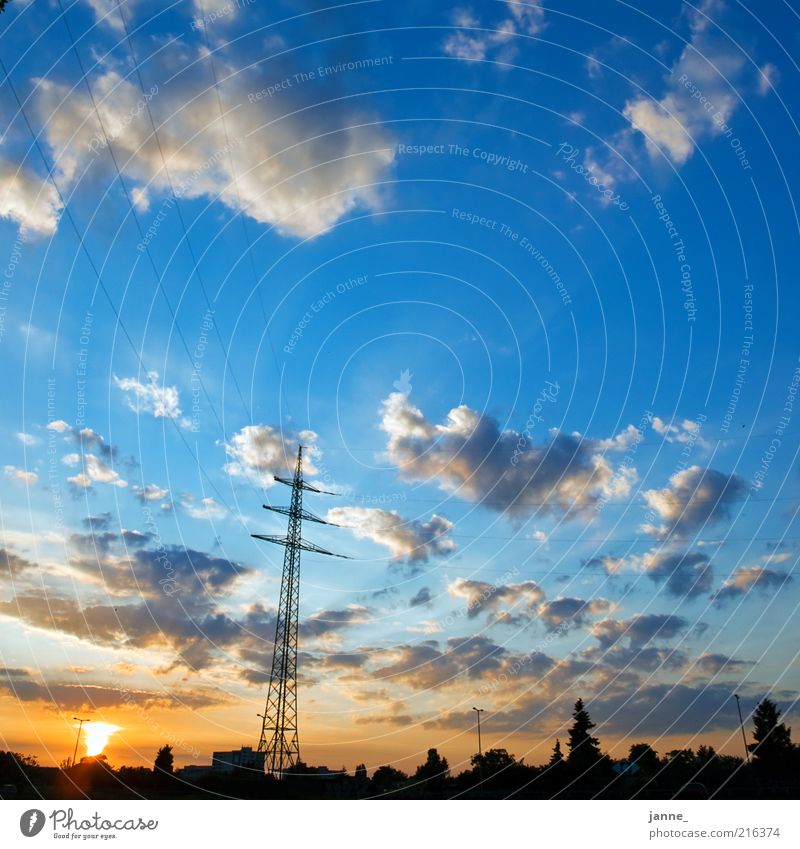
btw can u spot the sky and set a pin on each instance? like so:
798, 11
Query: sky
521, 277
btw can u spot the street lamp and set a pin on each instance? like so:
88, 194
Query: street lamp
78, 738
741, 725
479, 711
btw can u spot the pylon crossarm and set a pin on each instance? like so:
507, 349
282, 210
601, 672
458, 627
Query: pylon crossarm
303, 485
303, 545
305, 514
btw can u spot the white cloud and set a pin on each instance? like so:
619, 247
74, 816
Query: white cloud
107, 13
694, 497
514, 604
746, 580
470, 455
700, 93
27, 438
151, 397
59, 426
272, 163
31, 202
410, 540
769, 78
150, 492
21, 475
94, 471
206, 509
260, 451
473, 41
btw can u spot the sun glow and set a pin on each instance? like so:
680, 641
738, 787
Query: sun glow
96, 736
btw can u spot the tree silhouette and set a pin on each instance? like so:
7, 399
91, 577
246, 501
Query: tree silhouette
361, 772
387, 778
773, 740
557, 757
164, 760
645, 757
584, 750
434, 774
493, 761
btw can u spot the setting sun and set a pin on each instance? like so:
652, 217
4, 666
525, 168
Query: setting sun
96, 736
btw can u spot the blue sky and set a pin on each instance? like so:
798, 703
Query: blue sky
519, 276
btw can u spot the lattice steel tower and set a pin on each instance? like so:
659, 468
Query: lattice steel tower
279, 737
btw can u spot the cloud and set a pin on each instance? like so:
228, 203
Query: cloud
411, 540
260, 451
565, 612
646, 659
769, 78
12, 565
426, 665
85, 437
695, 497
685, 432
700, 95
518, 603
522, 599
470, 455
422, 596
134, 538
747, 579
94, 471
470, 41
21, 475
67, 696
206, 509
150, 492
27, 438
28, 200
158, 399
639, 629
195, 638
685, 574
326, 622
713, 664
101, 522
280, 167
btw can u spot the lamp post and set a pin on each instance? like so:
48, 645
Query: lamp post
78, 738
479, 711
741, 725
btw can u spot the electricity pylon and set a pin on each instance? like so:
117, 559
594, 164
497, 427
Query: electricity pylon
279, 737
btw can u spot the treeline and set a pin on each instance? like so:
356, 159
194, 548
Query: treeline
578, 770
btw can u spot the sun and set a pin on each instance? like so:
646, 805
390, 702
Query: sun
97, 735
